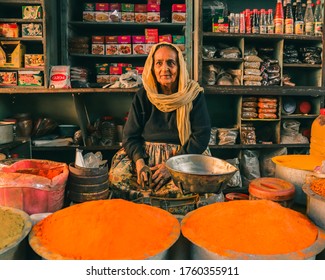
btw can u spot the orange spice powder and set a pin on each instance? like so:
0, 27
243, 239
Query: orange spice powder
260, 227
108, 230
318, 186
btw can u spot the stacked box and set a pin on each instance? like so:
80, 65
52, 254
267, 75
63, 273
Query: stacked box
111, 45
139, 44
97, 46
179, 13
30, 78
31, 30
124, 44
153, 13
101, 12
140, 13
114, 12
32, 12
127, 12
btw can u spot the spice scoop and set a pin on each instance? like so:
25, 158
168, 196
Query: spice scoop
145, 182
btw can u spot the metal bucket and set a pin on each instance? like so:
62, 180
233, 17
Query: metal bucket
18, 249
85, 184
6, 132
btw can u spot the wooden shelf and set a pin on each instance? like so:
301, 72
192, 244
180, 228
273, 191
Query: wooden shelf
21, 69
302, 65
21, 39
73, 147
132, 25
19, 2
40, 90
258, 146
263, 36
19, 20
299, 116
265, 90
237, 60
115, 56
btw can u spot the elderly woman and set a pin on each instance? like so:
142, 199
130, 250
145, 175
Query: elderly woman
167, 117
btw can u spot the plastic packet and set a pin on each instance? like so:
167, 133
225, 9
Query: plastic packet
227, 136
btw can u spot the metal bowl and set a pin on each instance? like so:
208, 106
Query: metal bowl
17, 250
200, 173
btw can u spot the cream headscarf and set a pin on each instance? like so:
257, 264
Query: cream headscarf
180, 101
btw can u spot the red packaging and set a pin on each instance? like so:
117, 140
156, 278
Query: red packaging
248, 23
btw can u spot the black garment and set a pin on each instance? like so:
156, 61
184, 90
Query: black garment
147, 123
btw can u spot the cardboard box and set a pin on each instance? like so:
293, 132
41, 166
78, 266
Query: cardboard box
103, 79
111, 46
32, 12
31, 30
139, 44
98, 49
15, 52
140, 13
8, 78
153, 13
9, 30
30, 78
88, 16
178, 13
34, 60
102, 68
115, 12
166, 38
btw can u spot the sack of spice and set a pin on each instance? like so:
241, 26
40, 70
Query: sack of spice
35, 186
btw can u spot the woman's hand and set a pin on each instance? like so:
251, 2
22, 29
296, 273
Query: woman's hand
139, 165
160, 176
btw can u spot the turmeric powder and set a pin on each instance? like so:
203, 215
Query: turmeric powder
302, 162
318, 186
259, 227
105, 230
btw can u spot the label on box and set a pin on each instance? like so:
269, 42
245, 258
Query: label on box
153, 8
151, 39
103, 79
138, 39
178, 17
220, 27
31, 30
88, 16
179, 8
111, 39
97, 49
101, 16
102, 68
166, 38
111, 49
139, 48
101, 6
31, 12
9, 30
124, 48
30, 78
125, 39
115, 70
89, 7
98, 39
126, 7
8, 78
127, 17
115, 7
178, 39
34, 60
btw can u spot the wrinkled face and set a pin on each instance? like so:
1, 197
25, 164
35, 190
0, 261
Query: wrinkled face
165, 66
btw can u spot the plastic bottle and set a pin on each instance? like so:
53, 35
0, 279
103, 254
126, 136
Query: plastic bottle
317, 140
232, 23
278, 18
242, 21
255, 22
288, 22
237, 23
318, 19
299, 19
108, 131
263, 22
248, 22
309, 19
270, 22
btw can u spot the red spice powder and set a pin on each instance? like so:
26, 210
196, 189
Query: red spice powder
260, 227
107, 230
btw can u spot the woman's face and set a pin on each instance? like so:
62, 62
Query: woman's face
165, 66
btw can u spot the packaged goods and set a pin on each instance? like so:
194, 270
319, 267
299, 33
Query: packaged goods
35, 186
14, 54
127, 14
32, 12
31, 30
30, 78
60, 76
34, 60
179, 13
153, 13
8, 78
140, 13
9, 30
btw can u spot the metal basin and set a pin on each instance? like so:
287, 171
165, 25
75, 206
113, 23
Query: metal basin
200, 173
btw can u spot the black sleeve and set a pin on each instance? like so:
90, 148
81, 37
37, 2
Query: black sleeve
133, 141
200, 126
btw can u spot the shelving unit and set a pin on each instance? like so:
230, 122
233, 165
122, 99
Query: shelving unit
224, 102
11, 12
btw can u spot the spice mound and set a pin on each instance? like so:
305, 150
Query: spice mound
105, 230
259, 227
318, 186
12, 225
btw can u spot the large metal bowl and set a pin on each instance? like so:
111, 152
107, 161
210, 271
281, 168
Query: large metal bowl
17, 250
200, 173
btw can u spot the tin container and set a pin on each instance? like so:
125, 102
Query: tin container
275, 189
